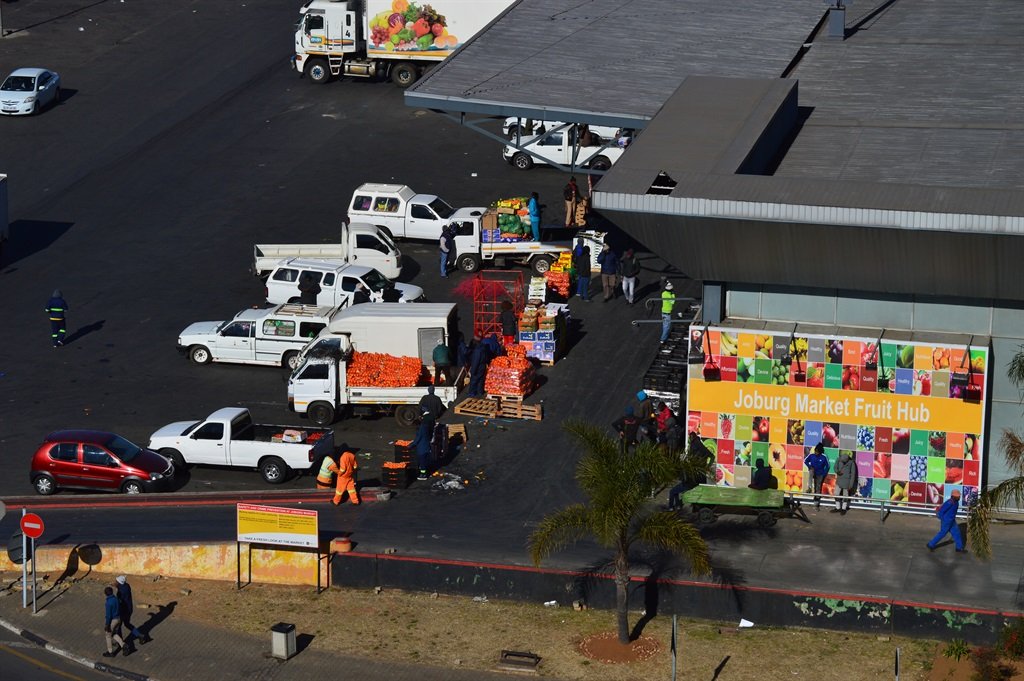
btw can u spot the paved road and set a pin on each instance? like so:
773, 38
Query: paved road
24, 661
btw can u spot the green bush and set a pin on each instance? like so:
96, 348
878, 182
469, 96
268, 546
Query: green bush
1011, 640
957, 649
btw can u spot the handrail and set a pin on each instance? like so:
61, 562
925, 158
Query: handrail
885, 506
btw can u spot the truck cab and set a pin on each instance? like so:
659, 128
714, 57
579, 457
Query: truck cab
272, 336
399, 211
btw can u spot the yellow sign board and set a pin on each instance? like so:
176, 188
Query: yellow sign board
258, 524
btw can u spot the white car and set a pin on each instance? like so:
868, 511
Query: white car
27, 91
558, 148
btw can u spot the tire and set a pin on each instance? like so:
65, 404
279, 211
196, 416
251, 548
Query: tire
406, 415
321, 413
522, 161
318, 71
273, 470
177, 460
404, 74
541, 264
290, 361
512, 132
200, 354
766, 519
601, 163
35, 108
705, 516
45, 485
468, 263
132, 487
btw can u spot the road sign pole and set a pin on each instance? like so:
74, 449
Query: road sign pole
24, 567
33, 576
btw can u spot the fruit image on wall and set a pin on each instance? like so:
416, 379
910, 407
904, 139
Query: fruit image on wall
408, 27
899, 409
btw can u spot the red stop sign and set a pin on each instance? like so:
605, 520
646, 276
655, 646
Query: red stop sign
32, 525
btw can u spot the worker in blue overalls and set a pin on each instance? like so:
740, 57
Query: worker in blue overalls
57, 308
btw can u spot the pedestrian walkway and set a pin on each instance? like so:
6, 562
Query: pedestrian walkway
71, 621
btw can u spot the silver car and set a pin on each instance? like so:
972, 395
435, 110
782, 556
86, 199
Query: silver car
27, 91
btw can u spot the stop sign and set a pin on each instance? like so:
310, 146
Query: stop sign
32, 525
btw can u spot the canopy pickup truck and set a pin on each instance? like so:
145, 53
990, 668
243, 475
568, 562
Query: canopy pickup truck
559, 147
360, 244
228, 437
397, 210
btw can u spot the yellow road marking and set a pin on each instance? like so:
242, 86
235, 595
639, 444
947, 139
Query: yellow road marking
40, 664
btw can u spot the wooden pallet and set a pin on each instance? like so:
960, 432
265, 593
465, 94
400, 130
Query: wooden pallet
518, 410
458, 429
477, 406
505, 398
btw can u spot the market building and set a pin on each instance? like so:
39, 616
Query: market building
824, 172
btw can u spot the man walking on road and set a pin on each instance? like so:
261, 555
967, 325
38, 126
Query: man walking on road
630, 269
57, 309
112, 624
947, 515
347, 466
124, 597
668, 301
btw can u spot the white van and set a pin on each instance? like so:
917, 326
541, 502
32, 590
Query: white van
272, 336
337, 283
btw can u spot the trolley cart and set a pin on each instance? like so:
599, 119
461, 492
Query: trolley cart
711, 501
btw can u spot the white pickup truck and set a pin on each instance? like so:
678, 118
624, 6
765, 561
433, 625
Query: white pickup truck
399, 211
360, 244
472, 252
228, 437
272, 336
558, 147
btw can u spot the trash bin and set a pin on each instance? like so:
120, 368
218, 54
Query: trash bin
282, 640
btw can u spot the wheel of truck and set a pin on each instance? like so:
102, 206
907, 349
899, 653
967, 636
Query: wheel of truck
290, 361
541, 264
318, 71
175, 457
199, 354
766, 519
468, 263
522, 161
405, 74
601, 163
273, 470
321, 413
705, 516
512, 131
406, 415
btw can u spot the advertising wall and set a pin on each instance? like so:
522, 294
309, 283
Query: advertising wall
909, 413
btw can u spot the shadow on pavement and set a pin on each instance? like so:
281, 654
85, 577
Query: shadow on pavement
302, 642
154, 619
84, 331
27, 237
57, 17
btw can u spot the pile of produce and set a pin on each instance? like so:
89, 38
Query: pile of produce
516, 203
513, 228
378, 370
314, 437
528, 320
563, 264
395, 464
558, 282
410, 27
511, 374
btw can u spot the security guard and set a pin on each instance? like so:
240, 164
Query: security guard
57, 309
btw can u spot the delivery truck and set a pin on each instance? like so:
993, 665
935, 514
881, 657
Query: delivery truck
360, 244
320, 387
228, 437
478, 241
396, 39
398, 211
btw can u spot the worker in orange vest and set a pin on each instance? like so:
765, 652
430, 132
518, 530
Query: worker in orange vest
346, 479
327, 470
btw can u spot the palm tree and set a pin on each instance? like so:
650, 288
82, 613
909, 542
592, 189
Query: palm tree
1010, 491
618, 512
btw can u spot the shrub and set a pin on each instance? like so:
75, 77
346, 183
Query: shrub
1011, 640
957, 649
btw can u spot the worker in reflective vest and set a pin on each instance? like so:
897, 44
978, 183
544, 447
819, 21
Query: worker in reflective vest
57, 309
346, 479
326, 475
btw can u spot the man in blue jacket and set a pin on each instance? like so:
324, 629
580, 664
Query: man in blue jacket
424, 434
947, 516
533, 207
112, 624
817, 464
57, 308
609, 262
124, 597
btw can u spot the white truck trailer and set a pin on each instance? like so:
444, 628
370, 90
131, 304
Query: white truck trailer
360, 244
396, 39
319, 387
228, 437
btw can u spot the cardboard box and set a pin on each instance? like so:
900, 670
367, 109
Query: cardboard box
504, 210
527, 336
489, 220
545, 335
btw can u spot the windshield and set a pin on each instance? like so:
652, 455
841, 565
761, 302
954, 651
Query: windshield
374, 280
443, 210
18, 84
123, 449
387, 241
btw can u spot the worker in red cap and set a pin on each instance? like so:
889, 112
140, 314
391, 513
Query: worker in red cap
347, 466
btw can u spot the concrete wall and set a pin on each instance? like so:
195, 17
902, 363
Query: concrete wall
198, 561
1001, 321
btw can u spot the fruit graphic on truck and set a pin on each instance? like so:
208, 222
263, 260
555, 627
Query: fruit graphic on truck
408, 26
